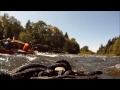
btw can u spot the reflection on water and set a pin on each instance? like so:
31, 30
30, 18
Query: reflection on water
109, 65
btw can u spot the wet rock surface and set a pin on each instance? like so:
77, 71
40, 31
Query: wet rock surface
38, 71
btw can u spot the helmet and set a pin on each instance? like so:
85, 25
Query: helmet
8, 39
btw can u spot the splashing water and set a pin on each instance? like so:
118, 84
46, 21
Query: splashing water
78, 62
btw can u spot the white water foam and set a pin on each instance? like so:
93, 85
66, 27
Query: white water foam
31, 58
5, 54
46, 54
2, 59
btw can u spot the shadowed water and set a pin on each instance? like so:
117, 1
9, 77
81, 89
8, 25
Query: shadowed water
109, 65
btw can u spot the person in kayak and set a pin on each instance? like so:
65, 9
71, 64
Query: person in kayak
8, 44
26, 47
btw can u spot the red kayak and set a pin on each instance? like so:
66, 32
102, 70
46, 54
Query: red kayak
2, 51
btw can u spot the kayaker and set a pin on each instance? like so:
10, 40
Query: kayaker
26, 47
1, 44
8, 44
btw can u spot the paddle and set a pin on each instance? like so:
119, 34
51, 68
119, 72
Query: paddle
18, 41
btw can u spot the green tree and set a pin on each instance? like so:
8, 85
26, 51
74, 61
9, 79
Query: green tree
16, 27
5, 24
111, 49
116, 47
75, 46
108, 48
1, 28
66, 35
71, 47
99, 51
11, 26
85, 49
29, 26
56, 39
25, 36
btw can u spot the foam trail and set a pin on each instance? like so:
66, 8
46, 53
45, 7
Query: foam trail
2, 59
45, 54
31, 58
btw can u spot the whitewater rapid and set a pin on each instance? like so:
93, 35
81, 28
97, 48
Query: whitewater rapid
109, 65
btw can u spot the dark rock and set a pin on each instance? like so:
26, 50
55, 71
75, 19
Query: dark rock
48, 73
26, 74
69, 72
52, 67
5, 75
43, 73
81, 73
56, 77
92, 77
105, 76
95, 72
61, 72
28, 66
65, 62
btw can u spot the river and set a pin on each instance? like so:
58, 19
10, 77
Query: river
109, 65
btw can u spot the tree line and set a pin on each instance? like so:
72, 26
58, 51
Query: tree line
41, 36
111, 48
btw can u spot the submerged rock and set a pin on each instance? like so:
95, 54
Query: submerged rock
27, 74
5, 75
113, 71
28, 66
117, 66
65, 62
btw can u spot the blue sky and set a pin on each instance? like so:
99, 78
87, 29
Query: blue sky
91, 28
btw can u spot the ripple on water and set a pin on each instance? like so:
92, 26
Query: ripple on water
78, 62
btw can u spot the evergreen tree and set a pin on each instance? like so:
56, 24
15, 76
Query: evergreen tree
116, 47
66, 35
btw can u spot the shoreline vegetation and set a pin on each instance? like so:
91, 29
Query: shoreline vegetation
48, 38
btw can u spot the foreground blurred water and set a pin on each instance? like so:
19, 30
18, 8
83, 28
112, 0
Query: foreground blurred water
109, 65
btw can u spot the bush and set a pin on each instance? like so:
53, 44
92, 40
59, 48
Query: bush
42, 48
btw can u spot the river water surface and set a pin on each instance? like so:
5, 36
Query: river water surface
109, 65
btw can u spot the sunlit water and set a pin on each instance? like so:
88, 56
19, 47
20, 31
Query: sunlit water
109, 65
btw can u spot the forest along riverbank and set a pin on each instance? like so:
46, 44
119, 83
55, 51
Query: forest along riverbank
110, 66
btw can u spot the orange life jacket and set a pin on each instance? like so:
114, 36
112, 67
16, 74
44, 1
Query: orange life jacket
26, 46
